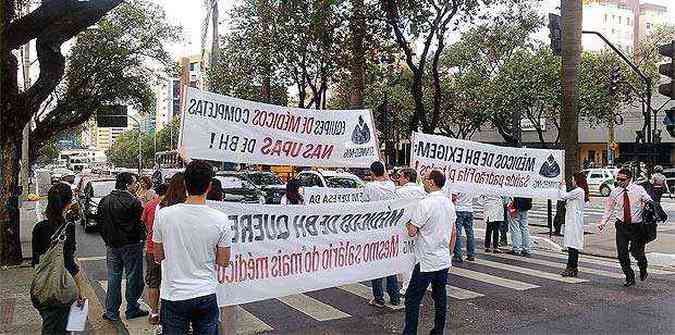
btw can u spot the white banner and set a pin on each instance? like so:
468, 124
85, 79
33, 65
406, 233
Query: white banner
328, 195
478, 168
283, 250
221, 128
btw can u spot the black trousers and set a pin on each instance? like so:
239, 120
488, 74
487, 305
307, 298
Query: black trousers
492, 234
572, 258
628, 239
413, 297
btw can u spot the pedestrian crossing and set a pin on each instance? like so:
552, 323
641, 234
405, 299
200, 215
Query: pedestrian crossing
488, 275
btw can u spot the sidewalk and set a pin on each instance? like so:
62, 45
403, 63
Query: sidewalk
17, 315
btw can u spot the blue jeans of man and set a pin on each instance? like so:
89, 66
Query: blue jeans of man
201, 312
465, 221
413, 297
520, 234
128, 260
392, 289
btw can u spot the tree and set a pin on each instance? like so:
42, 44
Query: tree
50, 25
124, 152
428, 21
115, 63
571, 53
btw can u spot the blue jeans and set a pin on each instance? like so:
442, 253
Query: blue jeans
465, 220
520, 235
413, 297
129, 260
392, 289
201, 312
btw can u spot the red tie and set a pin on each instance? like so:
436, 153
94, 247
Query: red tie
626, 207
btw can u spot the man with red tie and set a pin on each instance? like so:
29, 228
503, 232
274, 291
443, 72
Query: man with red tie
628, 200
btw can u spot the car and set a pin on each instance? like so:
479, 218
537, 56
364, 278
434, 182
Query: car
238, 188
92, 193
327, 178
670, 179
59, 173
269, 183
600, 181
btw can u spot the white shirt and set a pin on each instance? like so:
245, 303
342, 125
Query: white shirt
493, 207
464, 203
435, 219
190, 235
380, 190
636, 196
411, 191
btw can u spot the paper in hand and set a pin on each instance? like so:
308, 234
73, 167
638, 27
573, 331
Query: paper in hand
77, 318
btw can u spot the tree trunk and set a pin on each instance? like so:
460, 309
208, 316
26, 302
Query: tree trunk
419, 115
10, 245
571, 53
358, 30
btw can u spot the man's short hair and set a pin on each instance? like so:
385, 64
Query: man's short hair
198, 176
437, 177
409, 174
626, 172
377, 168
123, 180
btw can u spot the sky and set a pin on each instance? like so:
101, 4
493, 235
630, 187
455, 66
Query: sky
191, 16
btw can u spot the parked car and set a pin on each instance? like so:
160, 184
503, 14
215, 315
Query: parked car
670, 179
326, 178
58, 173
600, 181
269, 183
238, 188
93, 192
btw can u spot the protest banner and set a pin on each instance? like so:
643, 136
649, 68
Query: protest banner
284, 250
221, 128
327, 195
479, 168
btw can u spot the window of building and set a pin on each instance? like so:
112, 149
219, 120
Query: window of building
192, 66
649, 26
619, 19
605, 18
613, 18
628, 21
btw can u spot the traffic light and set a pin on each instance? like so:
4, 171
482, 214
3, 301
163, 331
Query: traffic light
614, 78
669, 122
555, 33
668, 70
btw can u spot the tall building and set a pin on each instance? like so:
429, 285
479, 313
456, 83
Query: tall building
105, 137
168, 95
651, 16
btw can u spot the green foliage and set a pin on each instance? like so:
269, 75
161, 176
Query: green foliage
124, 152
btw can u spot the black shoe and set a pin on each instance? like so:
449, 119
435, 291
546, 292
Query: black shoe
137, 314
526, 254
470, 258
629, 282
457, 260
106, 317
643, 274
377, 303
513, 252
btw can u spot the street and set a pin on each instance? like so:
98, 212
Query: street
496, 294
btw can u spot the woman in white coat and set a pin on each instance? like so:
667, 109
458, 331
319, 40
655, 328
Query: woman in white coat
575, 201
493, 209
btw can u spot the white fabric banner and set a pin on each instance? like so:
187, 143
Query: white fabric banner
479, 168
328, 195
283, 250
226, 129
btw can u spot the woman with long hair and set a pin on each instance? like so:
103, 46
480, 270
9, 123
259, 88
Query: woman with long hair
216, 191
575, 201
176, 193
293, 194
144, 190
59, 201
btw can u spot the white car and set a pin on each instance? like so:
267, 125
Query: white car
600, 180
327, 178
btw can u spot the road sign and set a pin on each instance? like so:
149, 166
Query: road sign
114, 116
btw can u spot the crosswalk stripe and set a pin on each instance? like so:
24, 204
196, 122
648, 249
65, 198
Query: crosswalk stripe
556, 264
459, 293
490, 279
247, 323
313, 308
593, 260
366, 292
531, 272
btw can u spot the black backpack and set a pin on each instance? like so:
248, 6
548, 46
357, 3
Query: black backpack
523, 204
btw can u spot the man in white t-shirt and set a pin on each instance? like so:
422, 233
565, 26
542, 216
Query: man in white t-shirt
432, 227
190, 239
381, 188
408, 189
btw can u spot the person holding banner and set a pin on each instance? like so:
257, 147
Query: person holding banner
188, 288
493, 209
408, 190
381, 188
432, 227
575, 201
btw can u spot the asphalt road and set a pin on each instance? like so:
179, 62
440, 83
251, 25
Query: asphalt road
498, 294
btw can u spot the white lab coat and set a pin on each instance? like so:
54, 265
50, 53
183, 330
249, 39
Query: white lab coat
574, 217
493, 208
